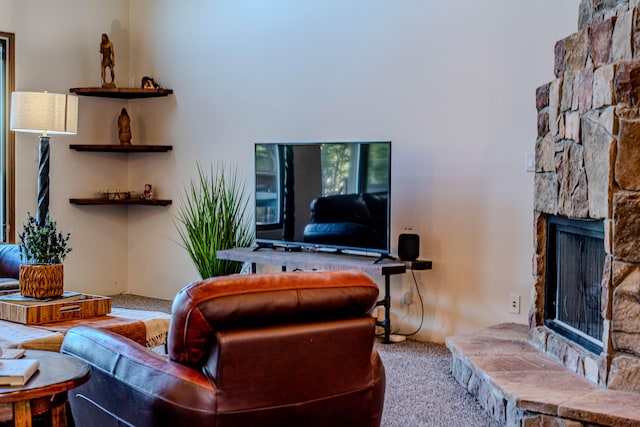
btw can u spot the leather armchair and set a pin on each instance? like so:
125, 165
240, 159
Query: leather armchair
271, 349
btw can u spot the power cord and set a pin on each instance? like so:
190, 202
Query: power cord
415, 282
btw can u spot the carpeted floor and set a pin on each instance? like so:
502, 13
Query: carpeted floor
420, 390
137, 302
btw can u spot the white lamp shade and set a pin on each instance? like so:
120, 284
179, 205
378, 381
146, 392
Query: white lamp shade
44, 112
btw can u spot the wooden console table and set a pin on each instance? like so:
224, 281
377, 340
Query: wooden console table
308, 260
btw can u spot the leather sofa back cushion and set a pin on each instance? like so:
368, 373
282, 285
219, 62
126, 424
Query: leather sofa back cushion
10, 260
229, 302
259, 368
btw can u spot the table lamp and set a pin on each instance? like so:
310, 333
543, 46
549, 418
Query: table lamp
45, 113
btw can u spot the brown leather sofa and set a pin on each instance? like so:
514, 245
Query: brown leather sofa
10, 260
281, 349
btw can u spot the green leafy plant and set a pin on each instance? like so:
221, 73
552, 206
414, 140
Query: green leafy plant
212, 217
43, 244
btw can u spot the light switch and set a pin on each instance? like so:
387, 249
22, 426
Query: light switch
529, 162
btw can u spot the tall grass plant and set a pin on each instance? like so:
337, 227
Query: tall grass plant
214, 215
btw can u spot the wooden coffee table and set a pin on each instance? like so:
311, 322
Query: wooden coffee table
45, 392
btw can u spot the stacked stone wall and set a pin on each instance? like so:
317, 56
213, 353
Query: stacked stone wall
588, 167
592, 11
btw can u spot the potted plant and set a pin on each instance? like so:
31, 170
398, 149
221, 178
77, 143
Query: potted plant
43, 248
212, 217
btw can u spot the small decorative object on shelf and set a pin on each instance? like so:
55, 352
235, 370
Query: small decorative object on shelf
43, 249
116, 194
147, 194
124, 127
108, 61
149, 83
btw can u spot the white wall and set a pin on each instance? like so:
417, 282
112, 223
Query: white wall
56, 49
452, 84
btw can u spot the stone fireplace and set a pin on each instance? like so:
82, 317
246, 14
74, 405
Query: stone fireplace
587, 171
577, 362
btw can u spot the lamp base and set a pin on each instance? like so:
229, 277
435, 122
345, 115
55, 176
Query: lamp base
43, 180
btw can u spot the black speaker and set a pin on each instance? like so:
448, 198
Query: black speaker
408, 246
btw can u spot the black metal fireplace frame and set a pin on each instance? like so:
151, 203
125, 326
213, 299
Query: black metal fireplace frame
591, 228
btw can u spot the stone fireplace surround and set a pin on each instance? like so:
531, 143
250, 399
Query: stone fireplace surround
587, 167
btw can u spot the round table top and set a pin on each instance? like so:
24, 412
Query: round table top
57, 373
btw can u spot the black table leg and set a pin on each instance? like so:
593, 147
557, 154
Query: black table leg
386, 303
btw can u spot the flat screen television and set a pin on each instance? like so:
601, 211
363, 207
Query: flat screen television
323, 195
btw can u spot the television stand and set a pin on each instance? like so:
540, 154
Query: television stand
325, 261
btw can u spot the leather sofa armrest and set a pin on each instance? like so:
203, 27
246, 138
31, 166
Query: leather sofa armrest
123, 370
106, 350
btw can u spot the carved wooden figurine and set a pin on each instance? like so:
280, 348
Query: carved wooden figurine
108, 61
124, 127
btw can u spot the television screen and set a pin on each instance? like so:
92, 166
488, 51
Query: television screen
333, 195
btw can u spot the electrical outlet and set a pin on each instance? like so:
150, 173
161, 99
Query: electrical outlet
407, 298
514, 303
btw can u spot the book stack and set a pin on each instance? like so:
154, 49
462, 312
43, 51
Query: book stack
16, 372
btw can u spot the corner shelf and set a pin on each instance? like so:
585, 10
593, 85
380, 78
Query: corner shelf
121, 92
115, 148
100, 201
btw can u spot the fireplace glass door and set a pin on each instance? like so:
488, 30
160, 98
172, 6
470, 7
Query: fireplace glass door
573, 285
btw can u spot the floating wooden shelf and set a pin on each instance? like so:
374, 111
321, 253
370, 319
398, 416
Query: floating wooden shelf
121, 92
117, 148
101, 201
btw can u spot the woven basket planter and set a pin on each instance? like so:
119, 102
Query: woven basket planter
41, 280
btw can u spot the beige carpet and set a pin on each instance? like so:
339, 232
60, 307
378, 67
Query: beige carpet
420, 390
